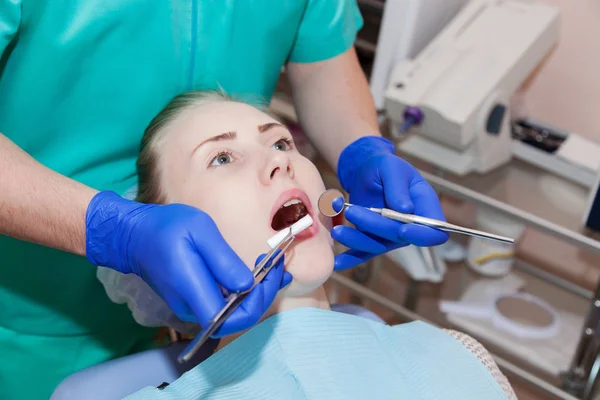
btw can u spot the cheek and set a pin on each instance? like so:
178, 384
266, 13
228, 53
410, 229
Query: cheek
241, 219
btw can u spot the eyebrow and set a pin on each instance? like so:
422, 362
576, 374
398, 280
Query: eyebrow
233, 135
265, 127
218, 138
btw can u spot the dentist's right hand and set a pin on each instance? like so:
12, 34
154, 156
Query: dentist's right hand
179, 251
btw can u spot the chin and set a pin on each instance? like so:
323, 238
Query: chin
310, 265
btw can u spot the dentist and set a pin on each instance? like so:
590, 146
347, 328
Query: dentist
79, 81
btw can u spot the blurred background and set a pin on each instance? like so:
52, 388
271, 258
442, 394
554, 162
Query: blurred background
507, 129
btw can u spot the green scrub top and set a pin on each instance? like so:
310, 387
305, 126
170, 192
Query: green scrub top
79, 82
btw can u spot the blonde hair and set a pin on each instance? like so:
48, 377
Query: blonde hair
149, 188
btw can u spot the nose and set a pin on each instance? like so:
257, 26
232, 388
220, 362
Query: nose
278, 166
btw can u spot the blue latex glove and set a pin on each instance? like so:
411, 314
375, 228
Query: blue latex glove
374, 176
179, 251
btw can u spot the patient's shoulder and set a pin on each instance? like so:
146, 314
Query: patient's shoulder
485, 358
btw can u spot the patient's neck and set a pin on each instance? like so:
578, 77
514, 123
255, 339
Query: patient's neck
316, 299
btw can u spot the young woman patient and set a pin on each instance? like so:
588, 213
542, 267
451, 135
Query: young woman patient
240, 166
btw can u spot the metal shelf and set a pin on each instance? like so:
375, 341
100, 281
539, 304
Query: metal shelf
568, 234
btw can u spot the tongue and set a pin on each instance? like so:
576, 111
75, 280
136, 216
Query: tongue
287, 216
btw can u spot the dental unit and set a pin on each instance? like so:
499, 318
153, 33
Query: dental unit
454, 95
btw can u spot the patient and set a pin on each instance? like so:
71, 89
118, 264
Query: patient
240, 166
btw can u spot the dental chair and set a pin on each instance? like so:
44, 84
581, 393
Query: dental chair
124, 376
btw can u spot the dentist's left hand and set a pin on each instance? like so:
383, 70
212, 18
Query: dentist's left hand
179, 251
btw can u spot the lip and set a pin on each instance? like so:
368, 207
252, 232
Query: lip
303, 197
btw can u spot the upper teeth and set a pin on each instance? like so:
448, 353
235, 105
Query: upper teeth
290, 202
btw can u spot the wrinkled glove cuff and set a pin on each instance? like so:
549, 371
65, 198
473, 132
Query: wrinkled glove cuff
357, 153
105, 232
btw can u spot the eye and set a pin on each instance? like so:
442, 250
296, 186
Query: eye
222, 158
283, 144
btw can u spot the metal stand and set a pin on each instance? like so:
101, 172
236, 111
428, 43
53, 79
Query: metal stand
583, 372
590, 388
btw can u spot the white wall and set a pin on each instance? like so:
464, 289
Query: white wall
566, 92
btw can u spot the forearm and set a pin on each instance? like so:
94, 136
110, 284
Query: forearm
39, 205
333, 103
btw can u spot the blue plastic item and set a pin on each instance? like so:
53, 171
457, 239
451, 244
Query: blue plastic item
310, 353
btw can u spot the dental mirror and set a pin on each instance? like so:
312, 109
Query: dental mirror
331, 203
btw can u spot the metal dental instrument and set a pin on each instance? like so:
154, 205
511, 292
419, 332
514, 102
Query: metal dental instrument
326, 207
235, 299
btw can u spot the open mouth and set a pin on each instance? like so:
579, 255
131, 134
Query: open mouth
290, 207
288, 214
